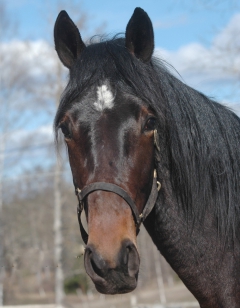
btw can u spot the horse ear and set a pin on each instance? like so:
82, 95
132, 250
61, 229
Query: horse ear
139, 35
68, 41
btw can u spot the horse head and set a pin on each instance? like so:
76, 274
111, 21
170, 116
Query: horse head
110, 134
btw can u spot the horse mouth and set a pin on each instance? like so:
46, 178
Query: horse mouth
118, 286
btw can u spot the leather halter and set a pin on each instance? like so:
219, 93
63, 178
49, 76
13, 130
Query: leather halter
138, 218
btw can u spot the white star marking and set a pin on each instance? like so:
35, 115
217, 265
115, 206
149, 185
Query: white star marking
104, 98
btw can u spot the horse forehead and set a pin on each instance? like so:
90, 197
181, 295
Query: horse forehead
104, 98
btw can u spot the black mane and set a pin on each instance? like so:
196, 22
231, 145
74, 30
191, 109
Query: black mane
202, 137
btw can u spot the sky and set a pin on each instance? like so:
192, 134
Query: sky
182, 28
176, 22
188, 35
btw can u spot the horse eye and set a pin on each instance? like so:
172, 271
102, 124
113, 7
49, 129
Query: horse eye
66, 130
150, 124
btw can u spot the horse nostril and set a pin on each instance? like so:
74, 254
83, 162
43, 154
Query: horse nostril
96, 269
95, 265
130, 258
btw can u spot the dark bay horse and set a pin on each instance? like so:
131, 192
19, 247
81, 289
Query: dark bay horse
145, 147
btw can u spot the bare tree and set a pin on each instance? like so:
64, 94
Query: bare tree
5, 25
17, 88
58, 203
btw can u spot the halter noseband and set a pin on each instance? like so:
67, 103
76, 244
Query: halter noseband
138, 218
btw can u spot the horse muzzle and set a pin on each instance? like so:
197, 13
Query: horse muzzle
117, 279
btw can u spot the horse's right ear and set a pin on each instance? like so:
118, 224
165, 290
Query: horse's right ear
68, 42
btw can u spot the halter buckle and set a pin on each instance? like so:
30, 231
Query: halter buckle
77, 191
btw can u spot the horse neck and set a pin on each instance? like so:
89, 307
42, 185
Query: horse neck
194, 251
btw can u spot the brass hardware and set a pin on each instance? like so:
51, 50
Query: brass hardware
158, 185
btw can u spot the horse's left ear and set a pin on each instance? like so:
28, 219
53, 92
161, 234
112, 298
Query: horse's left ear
68, 41
139, 35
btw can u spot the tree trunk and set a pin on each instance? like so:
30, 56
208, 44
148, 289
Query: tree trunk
2, 269
59, 293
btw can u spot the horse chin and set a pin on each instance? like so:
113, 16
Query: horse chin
117, 287
115, 282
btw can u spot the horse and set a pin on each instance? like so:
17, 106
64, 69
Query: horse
144, 147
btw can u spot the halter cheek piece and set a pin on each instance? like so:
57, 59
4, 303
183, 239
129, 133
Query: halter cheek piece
138, 218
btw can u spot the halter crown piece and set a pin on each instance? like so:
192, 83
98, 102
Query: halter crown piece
139, 218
